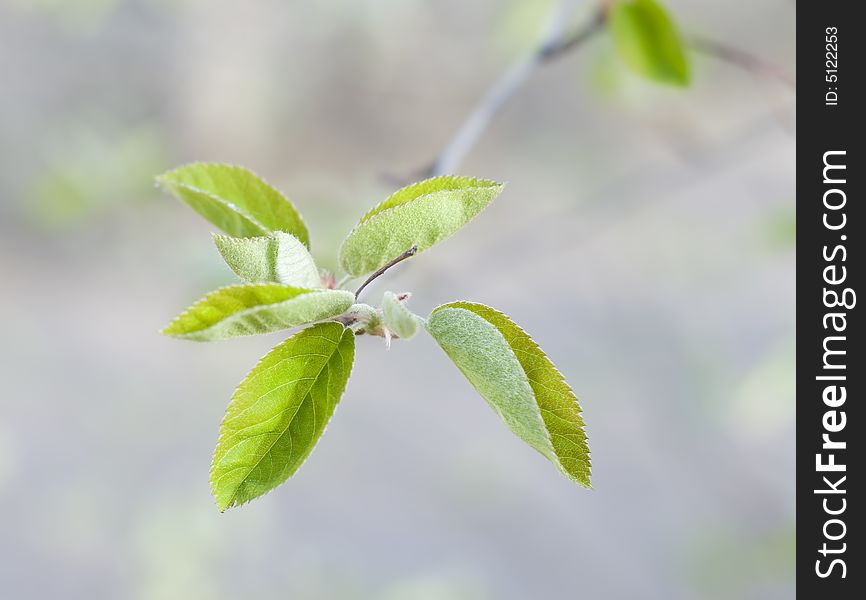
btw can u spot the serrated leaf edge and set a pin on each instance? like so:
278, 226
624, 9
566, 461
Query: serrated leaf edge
380, 214
489, 183
244, 312
229, 412
456, 304
162, 182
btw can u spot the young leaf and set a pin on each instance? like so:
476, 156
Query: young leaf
517, 379
234, 199
295, 265
279, 412
278, 258
422, 214
647, 40
397, 317
257, 308
253, 259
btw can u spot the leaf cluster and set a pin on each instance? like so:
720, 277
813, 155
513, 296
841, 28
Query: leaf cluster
281, 408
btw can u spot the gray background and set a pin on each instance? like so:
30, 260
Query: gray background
645, 240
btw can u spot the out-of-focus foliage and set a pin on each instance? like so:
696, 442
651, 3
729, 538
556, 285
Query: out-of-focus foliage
75, 15
520, 23
728, 562
90, 171
779, 229
647, 39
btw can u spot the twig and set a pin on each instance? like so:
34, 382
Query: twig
576, 38
554, 44
739, 58
408, 253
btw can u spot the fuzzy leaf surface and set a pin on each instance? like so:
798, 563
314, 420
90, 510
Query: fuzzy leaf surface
517, 379
253, 259
256, 308
279, 412
278, 258
422, 215
397, 317
294, 263
234, 199
648, 41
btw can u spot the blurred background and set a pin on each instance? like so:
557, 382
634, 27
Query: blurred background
645, 240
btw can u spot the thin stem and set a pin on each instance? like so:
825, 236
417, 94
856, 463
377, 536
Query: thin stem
577, 37
554, 44
739, 58
408, 253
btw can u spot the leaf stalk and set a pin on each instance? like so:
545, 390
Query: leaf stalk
407, 254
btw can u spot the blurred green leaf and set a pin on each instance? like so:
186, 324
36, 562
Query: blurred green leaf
91, 170
234, 199
397, 317
521, 23
81, 15
279, 258
779, 229
726, 562
422, 214
256, 308
517, 379
279, 412
648, 41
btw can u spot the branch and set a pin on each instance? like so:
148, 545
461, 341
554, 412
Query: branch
555, 44
739, 58
408, 253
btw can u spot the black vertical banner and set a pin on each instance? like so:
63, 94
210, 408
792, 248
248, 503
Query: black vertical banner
831, 50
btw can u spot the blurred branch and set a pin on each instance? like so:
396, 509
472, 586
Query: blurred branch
554, 44
739, 58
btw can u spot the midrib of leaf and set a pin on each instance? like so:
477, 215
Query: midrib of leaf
261, 313
230, 205
385, 234
279, 436
532, 360
515, 340
418, 190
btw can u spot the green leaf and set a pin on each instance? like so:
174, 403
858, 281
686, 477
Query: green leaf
397, 317
517, 379
253, 259
256, 308
279, 258
295, 265
279, 412
647, 40
234, 199
422, 215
